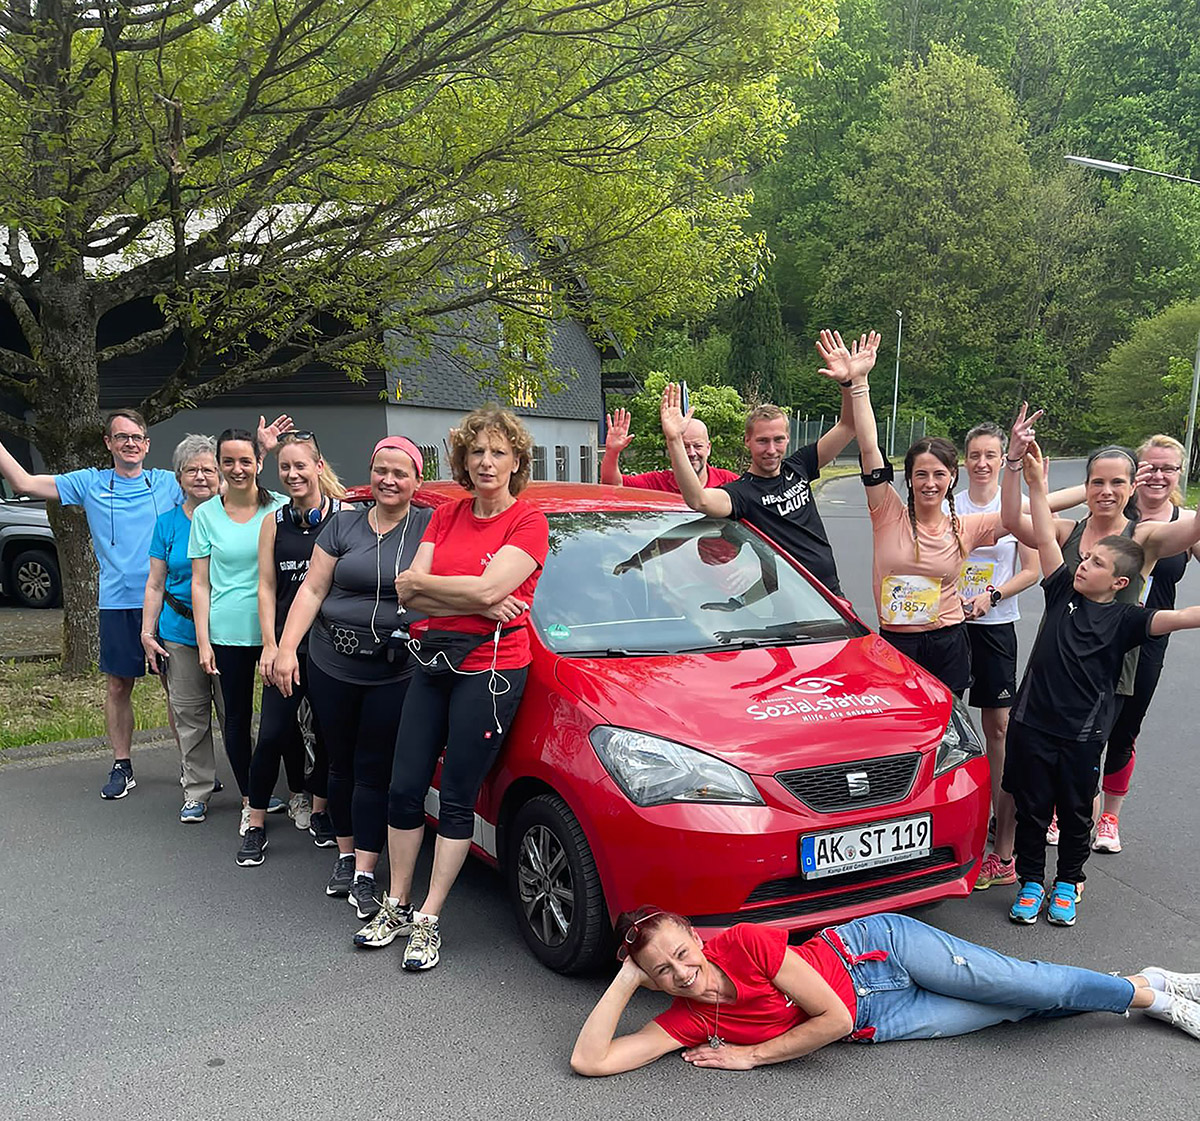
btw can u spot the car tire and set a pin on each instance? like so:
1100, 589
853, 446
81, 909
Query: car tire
554, 887
34, 580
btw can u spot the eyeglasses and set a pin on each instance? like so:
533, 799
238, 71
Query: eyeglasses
129, 438
631, 935
196, 472
1158, 469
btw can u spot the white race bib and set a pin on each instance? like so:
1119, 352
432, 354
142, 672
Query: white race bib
908, 600
975, 578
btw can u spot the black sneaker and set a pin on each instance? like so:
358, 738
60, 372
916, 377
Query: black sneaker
364, 896
120, 781
320, 825
254, 845
343, 876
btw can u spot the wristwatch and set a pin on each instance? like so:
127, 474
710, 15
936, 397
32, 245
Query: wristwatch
995, 594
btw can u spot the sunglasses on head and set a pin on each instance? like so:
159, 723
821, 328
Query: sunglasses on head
300, 435
631, 935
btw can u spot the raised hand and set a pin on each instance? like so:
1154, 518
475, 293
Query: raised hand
1023, 432
268, 434
617, 437
1036, 468
674, 419
836, 356
863, 354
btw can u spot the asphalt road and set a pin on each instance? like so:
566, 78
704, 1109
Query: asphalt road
145, 975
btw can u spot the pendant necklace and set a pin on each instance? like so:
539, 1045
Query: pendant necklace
715, 1041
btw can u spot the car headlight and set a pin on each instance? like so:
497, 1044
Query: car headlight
655, 772
960, 743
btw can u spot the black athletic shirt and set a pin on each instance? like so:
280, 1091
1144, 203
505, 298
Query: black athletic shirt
782, 507
293, 552
1165, 575
1070, 681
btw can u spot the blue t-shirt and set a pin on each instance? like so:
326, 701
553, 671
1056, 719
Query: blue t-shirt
232, 551
121, 513
170, 544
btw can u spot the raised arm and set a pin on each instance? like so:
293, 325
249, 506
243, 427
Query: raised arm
838, 364
1036, 470
705, 500
1165, 539
1168, 622
849, 367
616, 440
36, 486
597, 1053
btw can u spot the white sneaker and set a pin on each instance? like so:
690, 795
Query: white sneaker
245, 822
1108, 837
300, 810
1182, 1014
424, 946
1186, 985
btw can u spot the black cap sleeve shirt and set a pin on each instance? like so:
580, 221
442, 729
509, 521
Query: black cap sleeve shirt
783, 508
1071, 679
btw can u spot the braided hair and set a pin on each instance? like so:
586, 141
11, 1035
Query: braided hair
947, 454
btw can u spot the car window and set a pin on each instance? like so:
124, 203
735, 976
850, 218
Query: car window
635, 582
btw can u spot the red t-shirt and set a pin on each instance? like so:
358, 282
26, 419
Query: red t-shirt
463, 545
751, 957
665, 480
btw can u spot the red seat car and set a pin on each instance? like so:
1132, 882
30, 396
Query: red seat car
707, 728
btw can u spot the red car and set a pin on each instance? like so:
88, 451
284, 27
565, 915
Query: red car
707, 728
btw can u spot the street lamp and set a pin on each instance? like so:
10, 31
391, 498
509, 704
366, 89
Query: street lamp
896, 385
1124, 169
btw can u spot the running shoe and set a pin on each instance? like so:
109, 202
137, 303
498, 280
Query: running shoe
995, 871
1180, 1013
364, 896
192, 811
276, 805
343, 876
391, 920
424, 949
1061, 909
120, 780
1108, 837
1186, 985
254, 847
320, 826
244, 824
1052, 832
299, 809
1029, 903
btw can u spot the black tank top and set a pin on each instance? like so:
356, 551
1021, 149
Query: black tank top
293, 550
1165, 575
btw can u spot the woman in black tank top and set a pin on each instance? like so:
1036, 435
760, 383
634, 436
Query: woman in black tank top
285, 548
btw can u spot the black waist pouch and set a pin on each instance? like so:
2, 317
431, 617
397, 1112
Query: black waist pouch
178, 606
438, 652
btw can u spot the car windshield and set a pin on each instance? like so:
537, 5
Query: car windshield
646, 582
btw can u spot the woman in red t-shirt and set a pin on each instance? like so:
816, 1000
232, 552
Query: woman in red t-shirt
474, 575
746, 998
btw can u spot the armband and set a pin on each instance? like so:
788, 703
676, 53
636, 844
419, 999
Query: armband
880, 475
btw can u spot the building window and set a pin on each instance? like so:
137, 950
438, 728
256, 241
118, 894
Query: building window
562, 469
539, 462
429, 452
587, 464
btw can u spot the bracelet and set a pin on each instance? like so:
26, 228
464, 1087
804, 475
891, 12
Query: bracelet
863, 390
149, 634
1009, 459
1012, 464
847, 383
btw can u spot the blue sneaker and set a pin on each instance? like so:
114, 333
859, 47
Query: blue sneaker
120, 780
276, 805
192, 811
1061, 909
1029, 903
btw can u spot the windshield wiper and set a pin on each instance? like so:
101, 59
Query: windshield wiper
615, 652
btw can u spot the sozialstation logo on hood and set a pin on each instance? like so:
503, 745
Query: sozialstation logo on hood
813, 699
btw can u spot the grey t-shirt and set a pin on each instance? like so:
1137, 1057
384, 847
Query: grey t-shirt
363, 586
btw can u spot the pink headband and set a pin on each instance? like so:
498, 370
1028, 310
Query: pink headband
403, 444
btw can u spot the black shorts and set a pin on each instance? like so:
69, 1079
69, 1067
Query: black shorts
121, 653
993, 664
944, 652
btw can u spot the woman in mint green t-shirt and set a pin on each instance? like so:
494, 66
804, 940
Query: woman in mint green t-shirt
224, 551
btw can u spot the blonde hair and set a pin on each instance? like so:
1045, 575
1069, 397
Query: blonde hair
763, 412
491, 418
331, 486
1158, 440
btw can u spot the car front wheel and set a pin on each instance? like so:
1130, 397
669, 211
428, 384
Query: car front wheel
554, 887
34, 579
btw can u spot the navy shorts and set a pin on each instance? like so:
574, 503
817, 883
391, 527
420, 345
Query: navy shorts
121, 653
993, 664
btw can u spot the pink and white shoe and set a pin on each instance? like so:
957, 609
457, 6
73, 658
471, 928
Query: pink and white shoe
1052, 832
994, 871
1108, 837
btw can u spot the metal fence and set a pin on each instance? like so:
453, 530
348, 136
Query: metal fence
809, 429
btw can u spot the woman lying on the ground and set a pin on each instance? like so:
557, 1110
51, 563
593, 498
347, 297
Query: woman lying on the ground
746, 998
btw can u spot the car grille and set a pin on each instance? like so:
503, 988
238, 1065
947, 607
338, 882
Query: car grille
827, 790
797, 885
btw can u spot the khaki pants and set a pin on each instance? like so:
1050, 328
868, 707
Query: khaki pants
191, 694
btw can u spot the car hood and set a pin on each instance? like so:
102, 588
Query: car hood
770, 709
17, 512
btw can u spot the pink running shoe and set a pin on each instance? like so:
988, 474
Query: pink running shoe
995, 871
1052, 832
1108, 837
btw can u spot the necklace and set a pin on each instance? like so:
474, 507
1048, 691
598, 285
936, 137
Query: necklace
715, 1041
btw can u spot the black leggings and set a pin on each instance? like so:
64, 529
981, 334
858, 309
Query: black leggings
238, 667
455, 711
279, 737
362, 720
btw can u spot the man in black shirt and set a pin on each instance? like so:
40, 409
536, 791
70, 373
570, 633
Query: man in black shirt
775, 494
1065, 705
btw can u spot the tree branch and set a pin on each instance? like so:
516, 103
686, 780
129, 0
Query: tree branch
18, 427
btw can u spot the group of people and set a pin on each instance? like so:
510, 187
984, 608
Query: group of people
401, 625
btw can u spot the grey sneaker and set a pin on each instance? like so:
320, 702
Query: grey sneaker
1186, 985
299, 809
424, 949
1182, 1014
364, 896
343, 876
390, 921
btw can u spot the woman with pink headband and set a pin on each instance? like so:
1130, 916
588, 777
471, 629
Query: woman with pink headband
358, 672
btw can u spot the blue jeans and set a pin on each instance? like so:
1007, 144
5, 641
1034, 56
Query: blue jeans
932, 984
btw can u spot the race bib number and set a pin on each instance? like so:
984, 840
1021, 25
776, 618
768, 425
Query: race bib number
975, 579
907, 600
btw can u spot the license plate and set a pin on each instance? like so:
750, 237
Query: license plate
865, 846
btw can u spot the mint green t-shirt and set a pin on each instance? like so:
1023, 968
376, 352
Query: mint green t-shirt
232, 549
